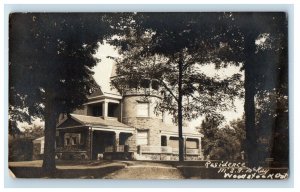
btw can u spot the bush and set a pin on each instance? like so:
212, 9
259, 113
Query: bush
20, 149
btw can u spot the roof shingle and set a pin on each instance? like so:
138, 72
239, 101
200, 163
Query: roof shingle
98, 121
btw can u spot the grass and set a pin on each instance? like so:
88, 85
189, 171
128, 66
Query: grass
123, 170
81, 170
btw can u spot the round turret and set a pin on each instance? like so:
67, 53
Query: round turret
140, 100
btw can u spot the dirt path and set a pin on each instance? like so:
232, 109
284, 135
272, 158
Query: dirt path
146, 170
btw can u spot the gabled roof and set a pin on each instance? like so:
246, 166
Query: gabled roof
97, 91
96, 121
113, 71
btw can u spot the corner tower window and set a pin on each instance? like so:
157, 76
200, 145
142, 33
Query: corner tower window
145, 83
155, 85
143, 110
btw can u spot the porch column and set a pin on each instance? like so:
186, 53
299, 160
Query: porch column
116, 141
184, 146
199, 146
104, 109
90, 143
167, 140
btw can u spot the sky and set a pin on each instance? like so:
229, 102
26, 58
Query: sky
104, 68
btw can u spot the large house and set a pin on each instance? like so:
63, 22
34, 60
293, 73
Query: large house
115, 126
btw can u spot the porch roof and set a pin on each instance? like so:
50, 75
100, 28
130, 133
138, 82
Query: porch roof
98, 121
172, 130
95, 122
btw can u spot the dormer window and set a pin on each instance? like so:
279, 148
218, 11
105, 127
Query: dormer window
97, 110
113, 109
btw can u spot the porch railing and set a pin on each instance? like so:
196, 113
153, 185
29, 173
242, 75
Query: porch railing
165, 149
152, 149
155, 149
120, 148
192, 151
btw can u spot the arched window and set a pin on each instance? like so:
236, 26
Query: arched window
145, 83
155, 85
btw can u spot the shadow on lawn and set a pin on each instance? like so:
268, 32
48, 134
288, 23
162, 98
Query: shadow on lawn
37, 172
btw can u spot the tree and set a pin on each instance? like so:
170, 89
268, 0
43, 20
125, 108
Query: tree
223, 39
50, 62
222, 142
265, 64
13, 129
170, 47
209, 128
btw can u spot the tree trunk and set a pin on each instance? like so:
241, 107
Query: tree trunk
50, 130
180, 137
249, 85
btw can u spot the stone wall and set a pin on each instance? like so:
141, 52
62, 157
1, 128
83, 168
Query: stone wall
146, 123
166, 157
131, 142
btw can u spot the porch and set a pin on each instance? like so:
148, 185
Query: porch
112, 144
169, 149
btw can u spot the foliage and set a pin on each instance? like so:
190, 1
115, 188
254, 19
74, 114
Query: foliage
265, 62
13, 129
222, 142
35, 38
50, 66
20, 149
170, 47
272, 125
34, 131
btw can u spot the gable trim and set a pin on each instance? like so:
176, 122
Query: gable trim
71, 117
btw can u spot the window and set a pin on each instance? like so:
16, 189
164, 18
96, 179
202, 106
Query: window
163, 141
142, 137
143, 109
72, 139
132, 84
67, 141
155, 85
145, 83
191, 143
97, 110
112, 109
